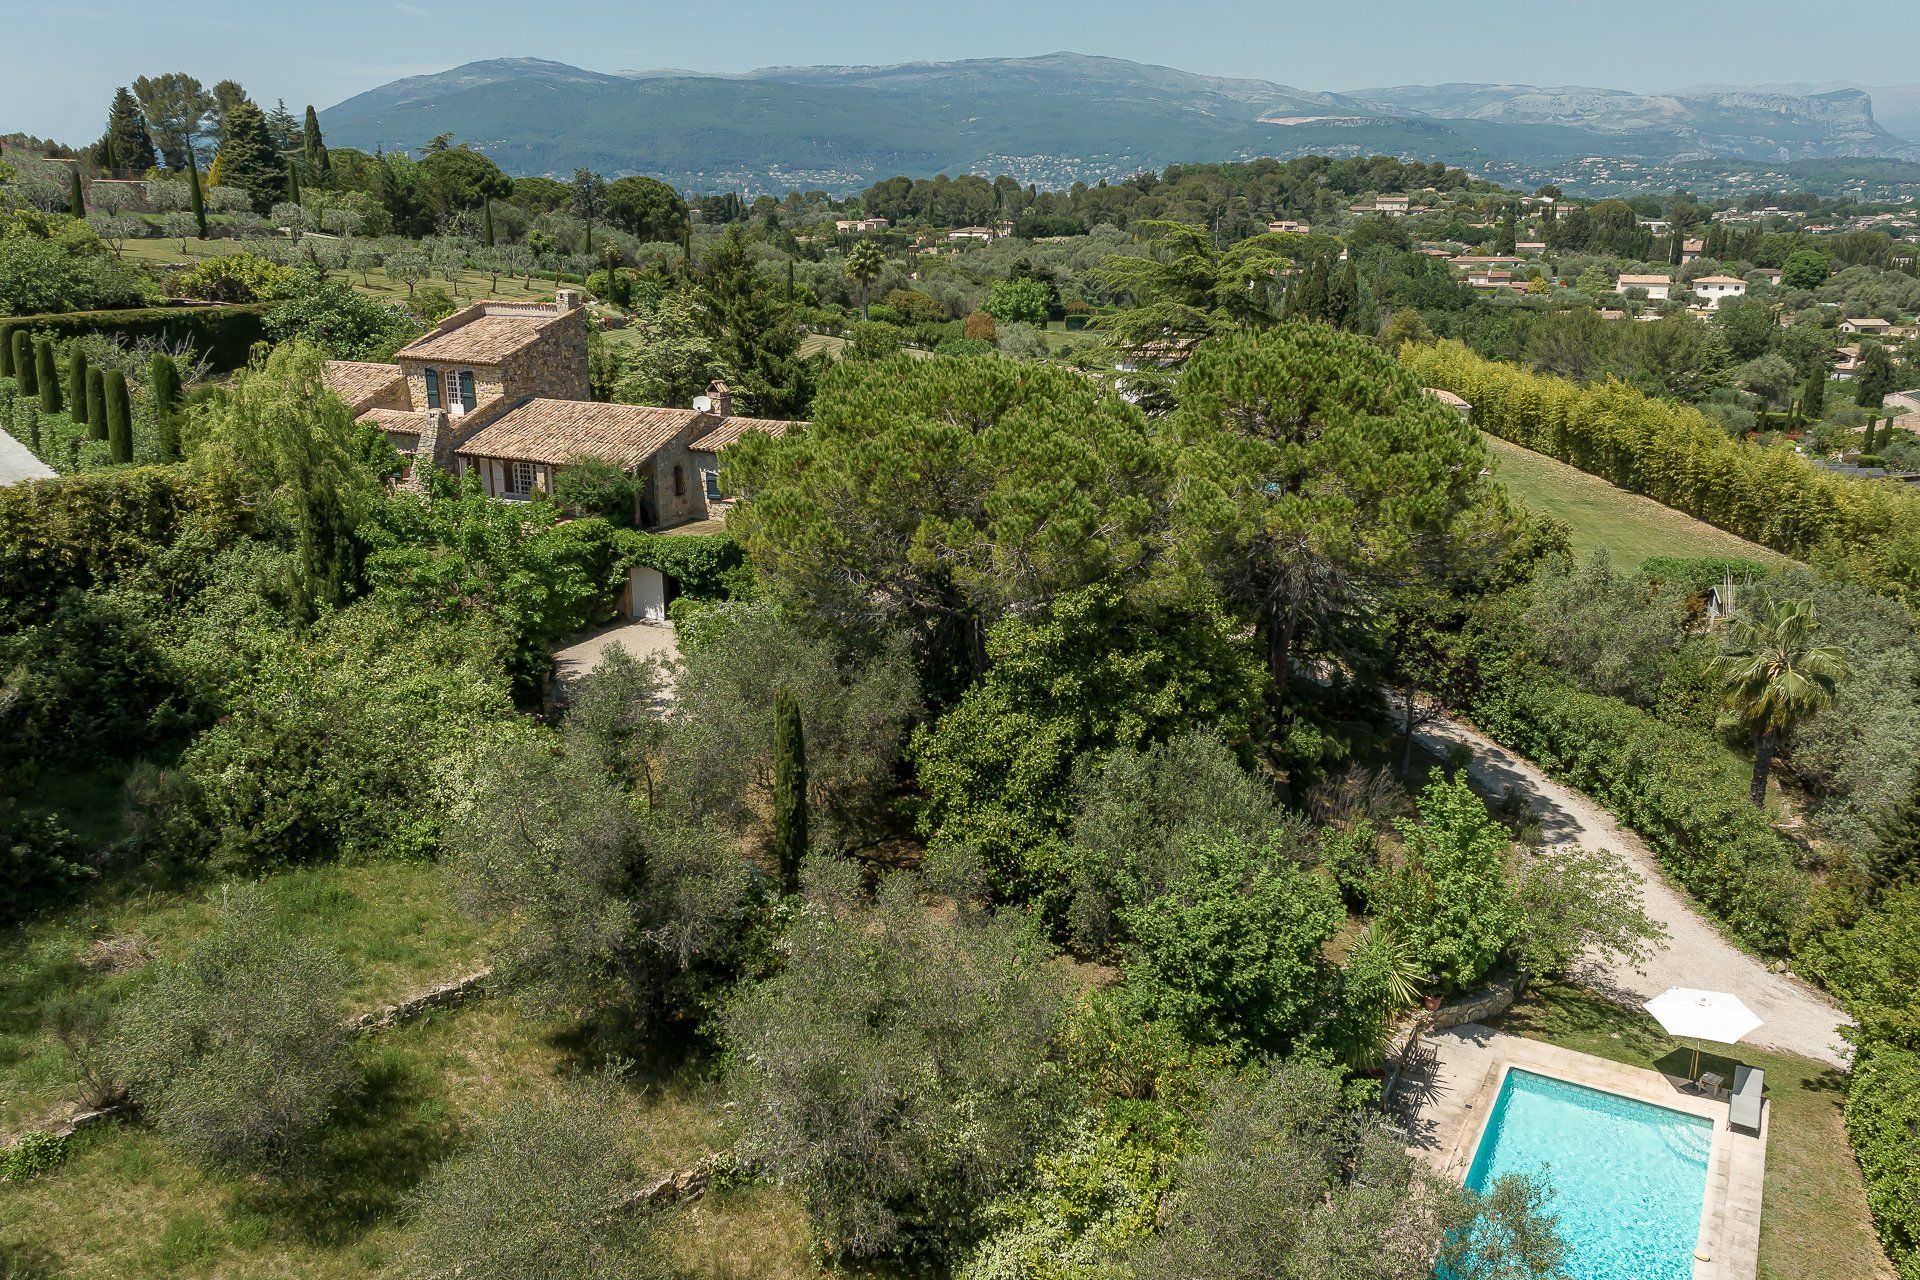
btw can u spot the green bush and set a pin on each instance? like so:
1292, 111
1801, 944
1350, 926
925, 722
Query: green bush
93, 530
1883, 1117
31, 1154
225, 335
1683, 793
702, 566
39, 862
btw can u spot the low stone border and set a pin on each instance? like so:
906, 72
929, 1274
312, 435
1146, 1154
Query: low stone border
684, 1184
447, 995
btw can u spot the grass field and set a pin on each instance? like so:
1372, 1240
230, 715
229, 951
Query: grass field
1631, 528
1814, 1219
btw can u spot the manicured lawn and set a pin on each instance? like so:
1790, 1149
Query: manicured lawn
1814, 1220
390, 922
1631, 528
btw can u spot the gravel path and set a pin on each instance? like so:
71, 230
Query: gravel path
1799, 1018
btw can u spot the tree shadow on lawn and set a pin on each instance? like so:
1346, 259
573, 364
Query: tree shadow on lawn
380, 1143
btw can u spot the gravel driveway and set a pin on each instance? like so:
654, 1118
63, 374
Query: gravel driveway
1799, 1018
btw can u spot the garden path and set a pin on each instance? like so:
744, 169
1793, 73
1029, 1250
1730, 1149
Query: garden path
1799, 1018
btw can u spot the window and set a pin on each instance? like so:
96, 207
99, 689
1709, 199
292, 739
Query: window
519, 477
466, 388
433, 388
713, 485
679, 481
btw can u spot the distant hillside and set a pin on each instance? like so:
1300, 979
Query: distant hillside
1056, 119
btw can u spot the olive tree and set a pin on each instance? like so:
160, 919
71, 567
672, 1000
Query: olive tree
1286, 1179
238, 1050
536, 1194
900, 1070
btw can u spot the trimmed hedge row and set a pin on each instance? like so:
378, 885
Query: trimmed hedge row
225, 334
81, 531
1883, 1127
1682, 459
1686, 797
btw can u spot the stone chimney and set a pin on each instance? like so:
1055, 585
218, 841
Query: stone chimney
569, 299
721, 398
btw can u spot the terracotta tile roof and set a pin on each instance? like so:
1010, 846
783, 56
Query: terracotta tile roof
731, 429
1719, 280
484, 333
1625, 281
397, 420
358, 382
557, 431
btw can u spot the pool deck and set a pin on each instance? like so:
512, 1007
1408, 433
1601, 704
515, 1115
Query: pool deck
1448, 1094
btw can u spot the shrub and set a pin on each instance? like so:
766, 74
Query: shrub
39, 862
95, 530
236, 277
340, 320
1683, 793
90, 681
1231, 953
1451, 899
595, 487
119, 410
980, 327
535, 1192
238, 1050
1883, 1114
899, 1072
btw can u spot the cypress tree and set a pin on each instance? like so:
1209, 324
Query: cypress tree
23, 368
46, 372
113, 387
313, 149
789, 790
198, 197
96, 405
293, 182
1866, 445
486, 221
164, 379
77, 385
76, 193
6, 350
1813, 399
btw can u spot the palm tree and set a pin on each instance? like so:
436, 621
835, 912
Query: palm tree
865, 261
1773, 677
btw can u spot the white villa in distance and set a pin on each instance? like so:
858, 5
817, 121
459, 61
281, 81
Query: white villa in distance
1658, 288
1713, 290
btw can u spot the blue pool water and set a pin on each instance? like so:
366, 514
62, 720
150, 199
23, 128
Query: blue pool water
1628, 1177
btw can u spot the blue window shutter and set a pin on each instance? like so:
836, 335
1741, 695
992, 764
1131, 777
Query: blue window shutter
433, 388
466, 387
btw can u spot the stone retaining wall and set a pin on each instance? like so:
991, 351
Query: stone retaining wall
445, 996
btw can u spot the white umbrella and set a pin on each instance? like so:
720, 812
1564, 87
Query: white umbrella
1702, 1015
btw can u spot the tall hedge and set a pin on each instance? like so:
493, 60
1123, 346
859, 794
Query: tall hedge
96, 404
25, 372
1679, 457
224, 334
6, 350
77, 385
46, 372
92, 530
119, 406
1883, 1127
789, 790
1684, 794
163, 383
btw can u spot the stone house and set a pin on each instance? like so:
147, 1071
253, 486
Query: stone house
500, 390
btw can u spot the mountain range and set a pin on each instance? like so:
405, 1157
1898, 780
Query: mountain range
1069, 117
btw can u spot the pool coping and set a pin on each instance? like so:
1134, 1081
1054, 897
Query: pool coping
1472, 1062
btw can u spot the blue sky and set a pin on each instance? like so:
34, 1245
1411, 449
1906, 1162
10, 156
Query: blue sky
322, 53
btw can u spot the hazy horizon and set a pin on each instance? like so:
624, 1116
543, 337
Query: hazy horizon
83, 50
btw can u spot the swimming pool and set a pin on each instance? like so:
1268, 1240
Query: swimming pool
1629, 1177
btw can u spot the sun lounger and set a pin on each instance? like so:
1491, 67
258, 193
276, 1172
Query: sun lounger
1745, 1107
